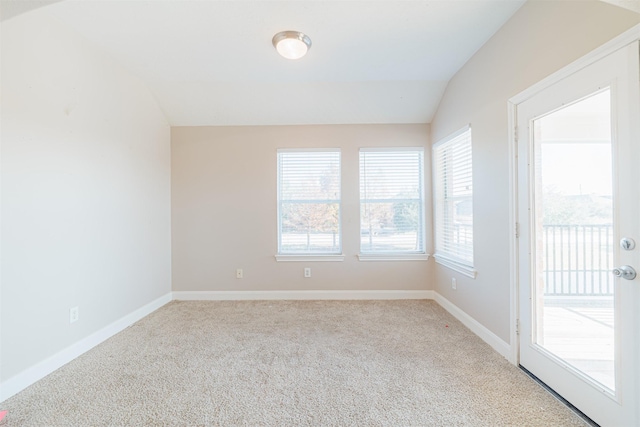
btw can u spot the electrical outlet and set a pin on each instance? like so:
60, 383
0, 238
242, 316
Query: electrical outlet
454, 283
307, 272
74, 314
239, 273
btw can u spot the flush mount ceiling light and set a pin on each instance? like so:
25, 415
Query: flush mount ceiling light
292, 44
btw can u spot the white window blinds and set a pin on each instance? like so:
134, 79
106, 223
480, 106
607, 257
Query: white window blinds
453, 187
309, 202
391, 201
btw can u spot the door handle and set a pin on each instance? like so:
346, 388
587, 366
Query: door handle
626, 272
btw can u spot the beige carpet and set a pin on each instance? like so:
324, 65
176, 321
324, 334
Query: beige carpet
290, 363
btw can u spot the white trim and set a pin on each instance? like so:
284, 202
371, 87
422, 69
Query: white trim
467, 270
628, 37
300, 295
308, 150
476, 327
35, 373
514, 289
279, 199
481, 331
393, 257
445, 255
383, 149
309, 258
624, 39
44, 368
422, 203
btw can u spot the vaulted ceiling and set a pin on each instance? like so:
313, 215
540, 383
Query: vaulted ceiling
212, 63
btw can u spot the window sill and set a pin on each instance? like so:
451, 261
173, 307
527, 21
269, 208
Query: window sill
393, 257
309, 258
468, 271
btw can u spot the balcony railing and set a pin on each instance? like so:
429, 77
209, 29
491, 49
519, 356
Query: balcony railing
577, 260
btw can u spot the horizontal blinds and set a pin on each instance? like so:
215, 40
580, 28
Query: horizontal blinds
309, 202
391, 201
453, 185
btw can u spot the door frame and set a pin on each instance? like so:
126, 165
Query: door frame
630, 36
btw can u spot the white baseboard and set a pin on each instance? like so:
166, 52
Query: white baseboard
487, 336
26, 378
44, 368
299, 295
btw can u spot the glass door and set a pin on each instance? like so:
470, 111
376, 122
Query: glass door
578, 204
573, 213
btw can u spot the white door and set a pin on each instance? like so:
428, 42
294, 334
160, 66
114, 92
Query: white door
578, 195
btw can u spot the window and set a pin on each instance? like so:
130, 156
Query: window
309, 202
392, 202
453, 187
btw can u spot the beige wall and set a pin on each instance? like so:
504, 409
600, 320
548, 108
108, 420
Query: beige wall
85, 192
541, 38
86, 178
224, 209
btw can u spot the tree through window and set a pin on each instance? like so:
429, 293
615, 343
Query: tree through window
392, 201
309, 202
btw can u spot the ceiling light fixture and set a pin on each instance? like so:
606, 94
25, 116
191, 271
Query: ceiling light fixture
292, 44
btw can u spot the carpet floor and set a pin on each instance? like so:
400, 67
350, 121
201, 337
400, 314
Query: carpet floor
290, 363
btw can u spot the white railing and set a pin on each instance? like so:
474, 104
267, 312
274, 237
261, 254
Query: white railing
577, 260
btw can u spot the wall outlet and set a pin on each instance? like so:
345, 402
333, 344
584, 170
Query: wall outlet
74, 314
454, 283
307, 272
239, 273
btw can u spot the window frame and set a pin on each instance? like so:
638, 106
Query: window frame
309, 256
398, 255
441, 255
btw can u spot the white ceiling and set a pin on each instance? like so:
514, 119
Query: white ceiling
212, 63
